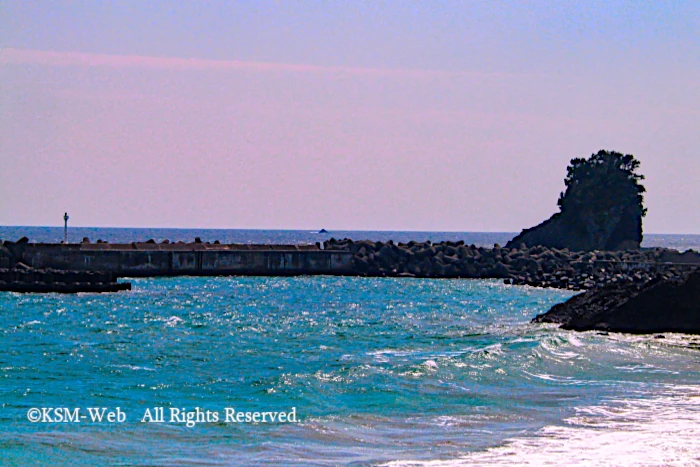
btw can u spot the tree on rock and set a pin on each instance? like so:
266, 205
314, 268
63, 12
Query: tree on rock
601, 209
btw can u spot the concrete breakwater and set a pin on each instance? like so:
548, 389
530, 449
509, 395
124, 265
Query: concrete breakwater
537, 266
145, 259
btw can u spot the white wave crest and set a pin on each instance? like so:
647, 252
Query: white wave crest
660, 431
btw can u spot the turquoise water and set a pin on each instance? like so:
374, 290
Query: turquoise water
379, 371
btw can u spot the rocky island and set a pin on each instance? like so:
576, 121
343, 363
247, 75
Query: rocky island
601, 209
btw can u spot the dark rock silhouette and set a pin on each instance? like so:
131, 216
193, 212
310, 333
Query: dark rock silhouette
6, 257
23, 278
535, 266
602, 207
664, 304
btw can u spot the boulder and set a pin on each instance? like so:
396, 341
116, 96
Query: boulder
500, 271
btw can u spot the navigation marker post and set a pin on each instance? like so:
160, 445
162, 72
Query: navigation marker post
65, 227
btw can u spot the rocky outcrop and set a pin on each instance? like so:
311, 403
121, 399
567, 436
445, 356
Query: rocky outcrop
664, 304
602, 207
584, 232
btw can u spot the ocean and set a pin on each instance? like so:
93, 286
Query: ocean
286, 237
355, 371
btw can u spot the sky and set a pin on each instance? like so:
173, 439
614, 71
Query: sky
345, 115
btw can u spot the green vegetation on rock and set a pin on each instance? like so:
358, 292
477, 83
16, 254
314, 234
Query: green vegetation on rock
601, 209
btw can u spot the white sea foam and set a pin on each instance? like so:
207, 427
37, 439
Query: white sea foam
660, 431
173, 320
555, 347
384, 356
134, 367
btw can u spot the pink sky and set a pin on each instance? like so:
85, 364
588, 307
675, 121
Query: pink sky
135, 140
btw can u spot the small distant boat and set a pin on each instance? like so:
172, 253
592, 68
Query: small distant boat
323, 231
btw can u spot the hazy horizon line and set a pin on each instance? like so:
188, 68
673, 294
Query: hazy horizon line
304, 229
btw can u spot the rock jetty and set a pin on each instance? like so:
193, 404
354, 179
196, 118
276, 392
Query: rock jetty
538, 266
664, 304
25, 279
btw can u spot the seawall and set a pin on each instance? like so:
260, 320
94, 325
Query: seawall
172, 259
